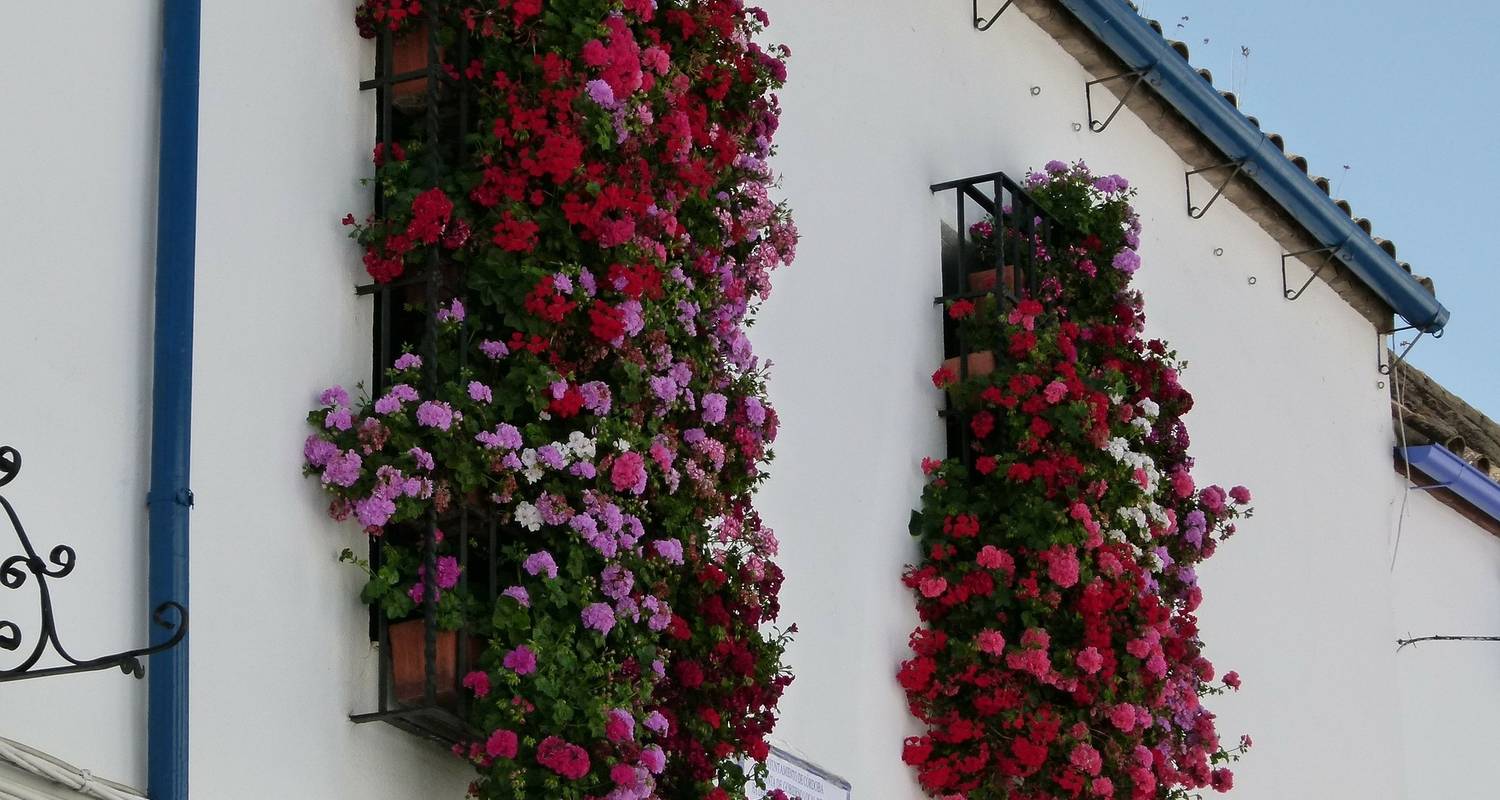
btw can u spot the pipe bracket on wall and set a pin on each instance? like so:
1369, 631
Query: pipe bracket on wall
1136, 78
1331, 258
1235, 167
59, 563
981, 24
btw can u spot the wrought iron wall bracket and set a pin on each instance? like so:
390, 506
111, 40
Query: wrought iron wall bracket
1235, 167
1136, 77
59, 563
1332, 258
1385, 367
981, 24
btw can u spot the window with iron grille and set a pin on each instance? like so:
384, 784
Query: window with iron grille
999, 242
424, 115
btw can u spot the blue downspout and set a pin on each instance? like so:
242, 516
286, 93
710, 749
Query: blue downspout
1128, 35
172, 391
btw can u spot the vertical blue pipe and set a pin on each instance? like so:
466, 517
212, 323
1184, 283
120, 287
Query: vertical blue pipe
172, 391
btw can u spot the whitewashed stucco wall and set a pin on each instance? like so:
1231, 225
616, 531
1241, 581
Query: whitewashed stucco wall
279, 656
1447, 576
887, 97
78, 167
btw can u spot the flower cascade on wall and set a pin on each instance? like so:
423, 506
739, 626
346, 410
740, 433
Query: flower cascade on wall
605, 236
1059, 654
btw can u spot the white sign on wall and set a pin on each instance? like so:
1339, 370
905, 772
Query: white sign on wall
800, 779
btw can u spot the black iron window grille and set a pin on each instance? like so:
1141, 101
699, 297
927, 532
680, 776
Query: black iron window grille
1002, 240
421, 668
15, 572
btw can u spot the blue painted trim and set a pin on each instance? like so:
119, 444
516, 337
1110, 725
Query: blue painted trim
1456, 475
1130, 37
172, 391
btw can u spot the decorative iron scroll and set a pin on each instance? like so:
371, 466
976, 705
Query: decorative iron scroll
59, 563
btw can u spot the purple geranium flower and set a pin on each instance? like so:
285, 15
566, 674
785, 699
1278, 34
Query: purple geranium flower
539, 562
599, 617
435, 414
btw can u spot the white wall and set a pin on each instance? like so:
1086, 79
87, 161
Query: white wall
886, 97
1447, 576
78, 163
279, 656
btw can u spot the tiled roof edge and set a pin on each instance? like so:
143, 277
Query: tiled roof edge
1138, 44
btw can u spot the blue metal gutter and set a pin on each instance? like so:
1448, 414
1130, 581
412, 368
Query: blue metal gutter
1126, 33
172, 391
1456, 475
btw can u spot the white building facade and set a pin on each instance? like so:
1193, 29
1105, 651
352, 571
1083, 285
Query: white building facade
884, 99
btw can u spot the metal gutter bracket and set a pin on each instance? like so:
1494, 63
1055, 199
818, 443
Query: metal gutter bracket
1332, 258
1136, 76
981, 24
1238, 166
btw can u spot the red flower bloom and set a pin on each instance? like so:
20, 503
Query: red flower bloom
516, 236
502, 744
569, 404
916, 751
982, 424
606, 322
546, 302
689, 674
566, 759
430, 212
963, 526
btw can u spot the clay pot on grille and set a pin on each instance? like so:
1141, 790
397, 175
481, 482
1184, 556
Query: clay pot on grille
984, 280
981, 363
408, 643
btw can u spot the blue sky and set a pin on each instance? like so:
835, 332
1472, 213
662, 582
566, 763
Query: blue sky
1393, 103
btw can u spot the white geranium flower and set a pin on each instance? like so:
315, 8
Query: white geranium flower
581, 445
528, 517
1117, 448
1134, 516
1149, 408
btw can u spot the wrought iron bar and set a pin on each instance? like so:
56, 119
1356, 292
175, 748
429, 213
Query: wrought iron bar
1386, 367
1196, 212
1330, 258
981, 24
14, 572
1403, 643
1136, 77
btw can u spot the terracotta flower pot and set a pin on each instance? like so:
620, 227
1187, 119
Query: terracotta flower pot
408, 642
981, 363
409, 54
984, 280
